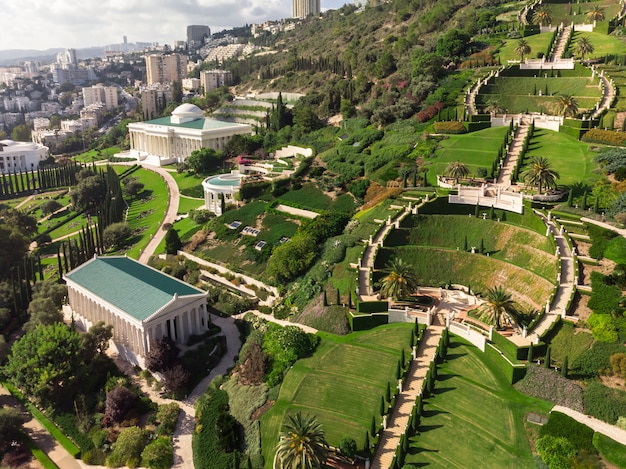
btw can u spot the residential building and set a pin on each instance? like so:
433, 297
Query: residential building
172, 139
141, 303
212, 79
154, 101
304, 8
100, 94
191, 84
21, 156
165, 68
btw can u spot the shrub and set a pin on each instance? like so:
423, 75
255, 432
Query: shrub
604, 403
162, 354
347, 447
556, 452
159, 454
605, 298
578, 434
596, 360
450, 127
115, 234
176, 379
119, 401
127, 449
167, 416
607, 137
549, 385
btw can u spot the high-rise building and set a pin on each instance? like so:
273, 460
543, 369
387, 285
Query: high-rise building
67, 57
304, 8
99, 93
196, 34
165, 68
212, 79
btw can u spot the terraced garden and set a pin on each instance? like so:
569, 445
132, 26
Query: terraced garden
341, 384
475, 419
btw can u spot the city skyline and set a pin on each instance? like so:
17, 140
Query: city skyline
44, 24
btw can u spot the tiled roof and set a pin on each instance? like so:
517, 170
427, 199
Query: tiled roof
199, 124
135, 288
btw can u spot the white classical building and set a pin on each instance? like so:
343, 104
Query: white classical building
142, 304
21, 156
172, 139
222, 186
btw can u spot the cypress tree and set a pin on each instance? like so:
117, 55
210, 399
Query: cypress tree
398, 370
547, 362
492, 213
482, 246
338, 297
570, 196
60, 266
402, 357
388, 392
405, 443
476, 211
596, 203
325, 303
529, 357
367, 443
564, 370
373, 429
465, 243
382, 405
584, 204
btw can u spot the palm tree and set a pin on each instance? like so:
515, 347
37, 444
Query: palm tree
540, 173
596, 13
400, 280
499, 303
566, 105
522, 49
542, 16
583, 46
493, 106
457, 169
302, 444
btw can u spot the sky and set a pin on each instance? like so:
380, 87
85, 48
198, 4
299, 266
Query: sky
44, 24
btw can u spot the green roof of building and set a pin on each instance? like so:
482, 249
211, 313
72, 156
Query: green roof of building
127, 284
199, 124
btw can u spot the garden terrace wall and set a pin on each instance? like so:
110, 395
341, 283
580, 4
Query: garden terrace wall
511, 372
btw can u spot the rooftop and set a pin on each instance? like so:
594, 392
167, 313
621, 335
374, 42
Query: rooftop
200, 124
127, 284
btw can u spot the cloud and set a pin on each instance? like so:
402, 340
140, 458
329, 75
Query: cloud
43, 24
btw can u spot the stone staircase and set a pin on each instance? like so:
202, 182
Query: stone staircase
510, 160
559, 49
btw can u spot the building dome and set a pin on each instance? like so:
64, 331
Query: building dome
186, 113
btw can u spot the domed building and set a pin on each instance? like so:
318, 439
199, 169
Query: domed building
172, 139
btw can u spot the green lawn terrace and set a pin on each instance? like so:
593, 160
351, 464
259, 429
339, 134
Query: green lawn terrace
282, 164
474, 418
476, 150
538, 43
341, 384
606, 46
523, 91
576, 12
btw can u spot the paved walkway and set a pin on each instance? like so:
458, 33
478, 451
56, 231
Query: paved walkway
399, 418
169, 216
510, 160
299, 212
561, 42
282, 322
596, 425
604, 225
40, 436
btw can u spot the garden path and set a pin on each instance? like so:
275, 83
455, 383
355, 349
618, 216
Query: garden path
510, 160
608, 93
612, 431
40, 436
620, 231
282, 322
412, 387
564, 290
561, 43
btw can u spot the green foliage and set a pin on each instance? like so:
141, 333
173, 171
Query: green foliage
612, 451
578, 434
285, 345
172, 241
605, 298
207, 454
595, 360
291, 259
204, 160
450, 127
127, 448
46, 363
606, 137
115, 235
607, 404
167, 416
11, 421
158, 454
600, 238
556, 452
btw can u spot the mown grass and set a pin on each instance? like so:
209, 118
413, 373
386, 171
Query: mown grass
602, 44
538, 43
569, 343
186, 180
146, 211
341, 384
186, 204
576, 13
308, 197
475, 419
96, 155
508, 243
573, 160
437, 267
476, 150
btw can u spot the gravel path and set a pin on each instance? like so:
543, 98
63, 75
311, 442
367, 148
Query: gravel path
599, 426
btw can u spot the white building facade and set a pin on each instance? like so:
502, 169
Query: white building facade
172, 139
21, 156
141, 303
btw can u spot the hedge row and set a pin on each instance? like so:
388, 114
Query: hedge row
450, 127
511, 373
607, 137
367, 321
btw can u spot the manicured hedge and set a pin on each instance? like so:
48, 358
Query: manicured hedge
607, 137
372, 306
511, 373
475, 126
450, 127
367, 321
605, 298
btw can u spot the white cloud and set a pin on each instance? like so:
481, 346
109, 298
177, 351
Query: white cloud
43, 24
